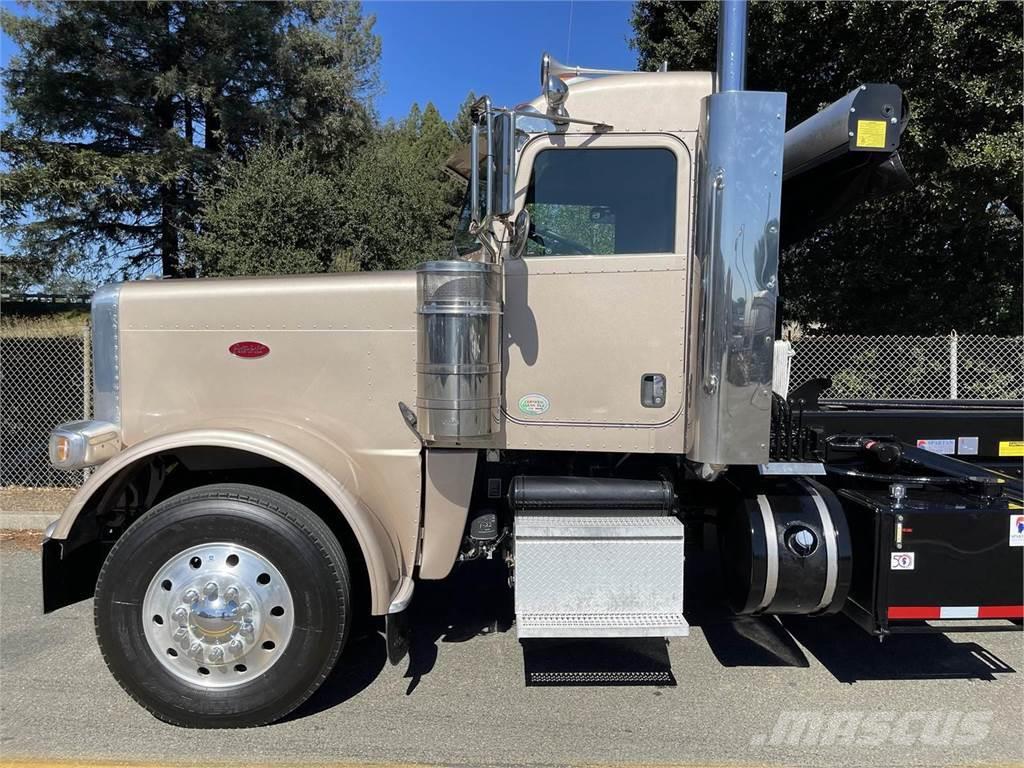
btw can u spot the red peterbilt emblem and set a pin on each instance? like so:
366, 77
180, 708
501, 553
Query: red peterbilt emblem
249, 349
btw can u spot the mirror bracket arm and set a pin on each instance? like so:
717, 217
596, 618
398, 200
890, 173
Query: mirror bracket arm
565, 120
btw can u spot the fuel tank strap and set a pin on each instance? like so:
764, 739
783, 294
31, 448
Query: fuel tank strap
771, 580
829, 532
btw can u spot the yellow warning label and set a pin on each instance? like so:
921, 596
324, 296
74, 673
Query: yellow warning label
1011, 447
871, 133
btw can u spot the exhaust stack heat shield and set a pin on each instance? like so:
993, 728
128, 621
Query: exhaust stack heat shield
739, 172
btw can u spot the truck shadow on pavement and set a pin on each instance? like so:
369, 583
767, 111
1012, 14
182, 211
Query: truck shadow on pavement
845, 650
849, 653
476, 601
361, 663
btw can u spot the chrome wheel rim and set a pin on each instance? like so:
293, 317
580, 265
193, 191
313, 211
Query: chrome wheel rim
218, 615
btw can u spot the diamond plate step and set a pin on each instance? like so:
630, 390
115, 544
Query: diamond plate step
601, 625
587, 576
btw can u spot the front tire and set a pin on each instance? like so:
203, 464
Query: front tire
224, 606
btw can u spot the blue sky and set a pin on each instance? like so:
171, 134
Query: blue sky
439, 51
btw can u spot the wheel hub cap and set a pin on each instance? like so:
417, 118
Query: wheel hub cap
215, 618
218, 615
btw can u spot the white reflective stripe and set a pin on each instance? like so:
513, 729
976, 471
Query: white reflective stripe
831, 553
958, 612
771, 540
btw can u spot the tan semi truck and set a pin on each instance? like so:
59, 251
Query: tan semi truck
591, 372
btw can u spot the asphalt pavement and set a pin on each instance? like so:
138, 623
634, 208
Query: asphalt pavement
811, 692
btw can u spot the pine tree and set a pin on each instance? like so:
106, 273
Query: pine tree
122, 111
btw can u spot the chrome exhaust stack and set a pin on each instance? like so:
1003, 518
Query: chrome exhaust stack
732, 46
739, 176
459, 303
458, 357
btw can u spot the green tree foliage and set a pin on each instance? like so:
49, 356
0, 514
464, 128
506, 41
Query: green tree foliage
122, 111
400, 204
283, 212
575, 224
273, 214
944, 255
462, 125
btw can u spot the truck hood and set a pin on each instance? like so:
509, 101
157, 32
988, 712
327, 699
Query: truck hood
335, 353
343, 301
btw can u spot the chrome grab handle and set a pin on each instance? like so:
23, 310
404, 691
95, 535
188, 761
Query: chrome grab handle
711, 378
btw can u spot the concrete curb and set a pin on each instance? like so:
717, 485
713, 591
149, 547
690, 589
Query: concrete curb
26, 521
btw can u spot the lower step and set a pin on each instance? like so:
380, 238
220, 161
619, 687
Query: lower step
601, 625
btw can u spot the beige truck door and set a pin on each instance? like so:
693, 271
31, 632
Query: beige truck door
594, 320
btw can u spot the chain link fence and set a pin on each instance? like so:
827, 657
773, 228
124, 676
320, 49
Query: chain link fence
44, 381
912, 367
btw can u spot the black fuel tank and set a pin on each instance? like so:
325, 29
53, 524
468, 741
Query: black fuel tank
786, 550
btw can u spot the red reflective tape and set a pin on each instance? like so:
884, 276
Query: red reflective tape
935, 612
914, 611
1001, 612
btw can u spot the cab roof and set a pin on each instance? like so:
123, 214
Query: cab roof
637, 102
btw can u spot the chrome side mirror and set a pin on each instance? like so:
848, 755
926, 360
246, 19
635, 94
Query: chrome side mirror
503, 157
492, 145
520, 234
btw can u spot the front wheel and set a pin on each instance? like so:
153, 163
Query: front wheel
224, 606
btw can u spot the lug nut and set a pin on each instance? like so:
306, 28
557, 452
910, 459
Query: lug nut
210, 590
190, 596
180, 615
180, 633
245, 608
196, 650
231, 593
246, 628
235, 646
216, 654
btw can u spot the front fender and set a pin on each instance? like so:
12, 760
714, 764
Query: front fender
293, 448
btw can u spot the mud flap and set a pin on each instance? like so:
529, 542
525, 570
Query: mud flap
396, 630
396, 623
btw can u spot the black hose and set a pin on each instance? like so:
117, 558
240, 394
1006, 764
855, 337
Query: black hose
880, 478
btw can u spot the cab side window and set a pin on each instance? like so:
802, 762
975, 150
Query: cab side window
602, 201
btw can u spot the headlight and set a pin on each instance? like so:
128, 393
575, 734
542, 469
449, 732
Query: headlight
83, 444
86, 443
